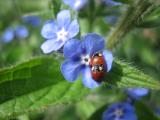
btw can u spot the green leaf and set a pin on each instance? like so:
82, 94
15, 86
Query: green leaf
35, 84
151, 20
97, 115
144, 112
149, 24
123, 75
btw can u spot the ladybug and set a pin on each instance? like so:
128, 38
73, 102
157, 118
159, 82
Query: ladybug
97, 66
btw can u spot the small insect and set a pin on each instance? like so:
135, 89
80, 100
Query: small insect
98, 67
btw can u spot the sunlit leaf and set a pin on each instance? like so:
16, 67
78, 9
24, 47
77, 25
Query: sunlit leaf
35, 84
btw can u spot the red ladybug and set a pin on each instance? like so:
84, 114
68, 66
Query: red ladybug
98, 67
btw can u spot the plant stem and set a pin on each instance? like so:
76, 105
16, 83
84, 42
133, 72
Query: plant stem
133, 15
91, 15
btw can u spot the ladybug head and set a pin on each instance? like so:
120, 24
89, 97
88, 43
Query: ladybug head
98, 54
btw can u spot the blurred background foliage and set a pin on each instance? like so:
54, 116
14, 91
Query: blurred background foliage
141, 47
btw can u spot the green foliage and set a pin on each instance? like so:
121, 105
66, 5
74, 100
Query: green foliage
142, 110
97, 115
33, 85
37, 83
151, 20
134, 15
122, 75
124, 1
55, 5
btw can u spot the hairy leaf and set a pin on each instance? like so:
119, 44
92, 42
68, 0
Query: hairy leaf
37, 83
33, 85
123, 75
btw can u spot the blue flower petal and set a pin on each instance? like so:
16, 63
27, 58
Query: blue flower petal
92, 43
21, 32
68, 2
73, 29
51, 45
112, 19
129, 108
64, 18
71, 48
157, 111
128, 112
108, 114
108, 58
87, 79
112, 3
131, 116
8, 35
49, 30
137, 93
70, 70
76, 5
32, 20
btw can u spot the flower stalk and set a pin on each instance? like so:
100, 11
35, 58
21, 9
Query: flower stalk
134, 15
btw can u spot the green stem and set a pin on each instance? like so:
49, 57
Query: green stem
91, 15
55, 7
133, 15
16, 7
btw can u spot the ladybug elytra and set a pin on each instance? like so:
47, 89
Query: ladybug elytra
98, 66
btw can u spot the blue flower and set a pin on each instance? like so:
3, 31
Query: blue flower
11, 33
120, 111
78, 56
58, 33
32, 20
111, 19
21, 32
8, 35
157, 111
112, 3
137, 93
75, 4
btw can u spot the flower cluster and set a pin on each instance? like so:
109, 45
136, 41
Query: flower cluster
86, 56
11, 33
60, 34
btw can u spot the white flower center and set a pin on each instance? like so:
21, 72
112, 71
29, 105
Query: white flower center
118, 112
62, 34
85, 59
